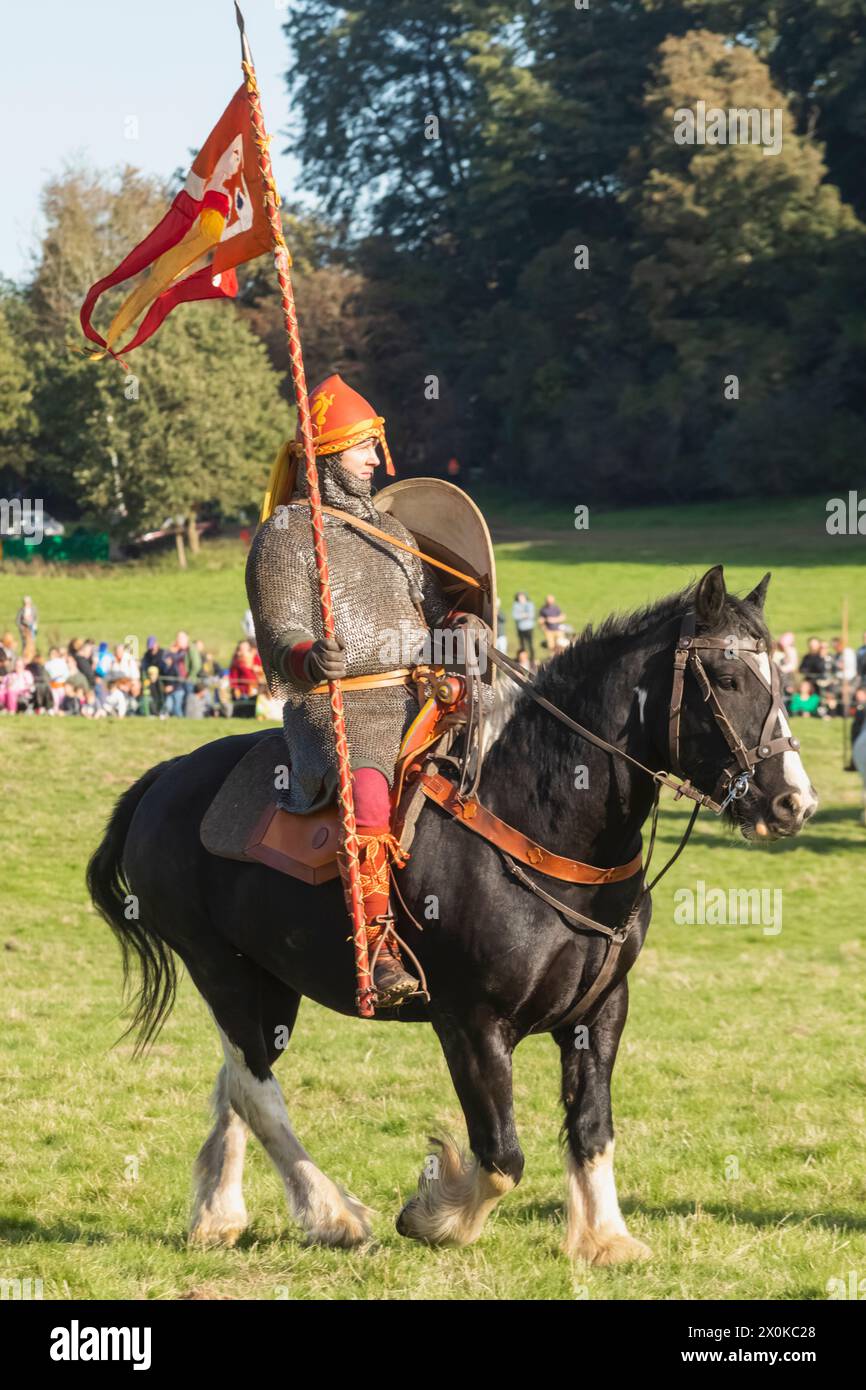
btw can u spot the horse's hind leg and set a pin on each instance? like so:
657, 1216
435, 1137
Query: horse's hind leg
255, 1015
596, 1231
219, 1214
455, 1194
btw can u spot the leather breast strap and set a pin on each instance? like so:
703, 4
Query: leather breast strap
514, 844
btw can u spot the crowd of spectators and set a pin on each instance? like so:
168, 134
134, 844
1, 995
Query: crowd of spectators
183, 680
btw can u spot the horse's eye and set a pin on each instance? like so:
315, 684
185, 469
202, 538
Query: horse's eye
726, 682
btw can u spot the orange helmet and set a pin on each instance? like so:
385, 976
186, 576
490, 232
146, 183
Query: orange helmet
341, 417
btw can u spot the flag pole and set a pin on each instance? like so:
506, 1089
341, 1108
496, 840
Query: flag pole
348, 856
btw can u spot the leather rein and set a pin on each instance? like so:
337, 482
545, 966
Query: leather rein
733, 784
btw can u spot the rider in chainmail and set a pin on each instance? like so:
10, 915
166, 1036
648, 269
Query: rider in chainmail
385, 603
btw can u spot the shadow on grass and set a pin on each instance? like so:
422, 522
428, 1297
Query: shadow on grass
16, 1230
748, 1216
550, 1210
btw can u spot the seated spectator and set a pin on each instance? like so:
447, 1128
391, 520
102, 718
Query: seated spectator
268, 706
124, 663
115, 703
858, 714
90, 706
80, 652
786, 658
805, 701
71, 702
246, 673
843, 662
813, 663
16, 689
861, 660
57, 669
7, 653
198, 704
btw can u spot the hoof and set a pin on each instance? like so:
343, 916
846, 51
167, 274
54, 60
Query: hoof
223, 1229
345, 1228
596, 1248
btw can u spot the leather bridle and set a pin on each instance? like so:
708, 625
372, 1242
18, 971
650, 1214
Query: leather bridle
735, 780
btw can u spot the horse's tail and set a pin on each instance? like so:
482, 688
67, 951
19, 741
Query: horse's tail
109, 890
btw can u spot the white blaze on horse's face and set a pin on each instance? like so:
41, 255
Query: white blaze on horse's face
793, 771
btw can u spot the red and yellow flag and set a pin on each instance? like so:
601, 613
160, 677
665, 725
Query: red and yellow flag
215, 223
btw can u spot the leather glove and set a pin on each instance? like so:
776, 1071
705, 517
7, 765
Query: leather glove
325, 661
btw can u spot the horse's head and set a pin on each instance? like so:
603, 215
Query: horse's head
729, 685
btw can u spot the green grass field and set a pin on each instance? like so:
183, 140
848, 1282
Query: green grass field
740, 1095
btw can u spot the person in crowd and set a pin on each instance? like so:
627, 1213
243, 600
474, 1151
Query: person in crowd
71, 702
843, 662
16, 689
551, 620
90, 706
43, 700
198, 704
523, 613
124, 663
173, 670
246, 673
193, 657
7, 654
813, 664
103, 661
27, 622
525, 661
806, 701
116, 703
268, 706
57, 670
84, 675
861, 660
858, 714
501, 634
786, 658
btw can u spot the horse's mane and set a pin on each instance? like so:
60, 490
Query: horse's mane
580, 677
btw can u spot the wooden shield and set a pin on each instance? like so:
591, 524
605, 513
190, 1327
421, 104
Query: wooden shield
447, 525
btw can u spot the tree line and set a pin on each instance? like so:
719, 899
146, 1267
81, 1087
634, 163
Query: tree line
515, 256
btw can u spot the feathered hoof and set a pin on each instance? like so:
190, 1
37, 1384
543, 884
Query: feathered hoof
344, 1227
453, 1200
212, 1228
597, 1248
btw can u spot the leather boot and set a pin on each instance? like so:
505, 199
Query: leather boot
391, 981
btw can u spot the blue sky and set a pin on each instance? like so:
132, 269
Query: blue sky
73, 74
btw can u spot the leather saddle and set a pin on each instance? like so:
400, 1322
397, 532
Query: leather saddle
243, 821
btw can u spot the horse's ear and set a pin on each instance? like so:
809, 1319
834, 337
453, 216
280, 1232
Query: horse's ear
759, 593
710, 596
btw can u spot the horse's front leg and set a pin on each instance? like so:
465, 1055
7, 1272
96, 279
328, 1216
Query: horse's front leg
596, 1231
456, 1193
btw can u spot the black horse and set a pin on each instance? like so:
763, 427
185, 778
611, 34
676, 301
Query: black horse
500, 962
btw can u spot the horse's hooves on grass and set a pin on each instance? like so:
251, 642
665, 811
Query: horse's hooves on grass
618, 1249
207, 1233
345, 1228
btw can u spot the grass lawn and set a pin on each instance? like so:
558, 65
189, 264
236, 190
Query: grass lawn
740, 1094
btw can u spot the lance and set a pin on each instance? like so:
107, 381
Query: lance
347, 858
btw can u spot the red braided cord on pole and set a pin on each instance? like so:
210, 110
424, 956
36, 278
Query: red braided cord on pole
348, 855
